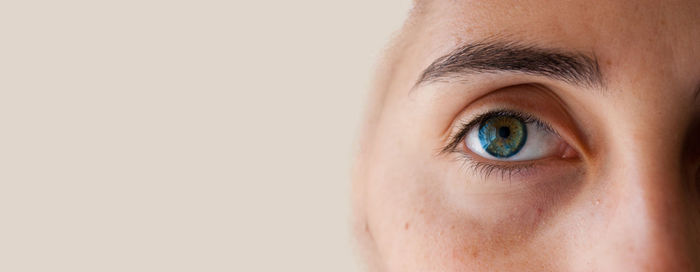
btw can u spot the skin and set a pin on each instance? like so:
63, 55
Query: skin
627, 201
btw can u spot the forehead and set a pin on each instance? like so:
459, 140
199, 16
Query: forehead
603, 26
565, 16
628, 37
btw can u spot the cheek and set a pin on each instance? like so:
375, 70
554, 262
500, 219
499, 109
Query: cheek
423, 222
434, 237
397, 189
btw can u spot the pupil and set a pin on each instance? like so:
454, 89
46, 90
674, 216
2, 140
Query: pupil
504, 132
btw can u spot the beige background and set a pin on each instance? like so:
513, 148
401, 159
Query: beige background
182, 135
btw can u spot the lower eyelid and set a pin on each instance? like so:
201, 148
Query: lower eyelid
485, 169
524, 173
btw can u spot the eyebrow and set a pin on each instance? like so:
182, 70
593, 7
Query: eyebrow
491, 57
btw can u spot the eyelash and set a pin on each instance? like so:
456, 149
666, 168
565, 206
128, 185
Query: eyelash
486, 169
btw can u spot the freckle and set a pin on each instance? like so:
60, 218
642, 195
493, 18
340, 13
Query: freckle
475, 253
406, 226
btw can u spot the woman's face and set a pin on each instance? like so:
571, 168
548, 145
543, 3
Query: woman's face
535, 136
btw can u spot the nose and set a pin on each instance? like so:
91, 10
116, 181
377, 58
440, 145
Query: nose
651, 205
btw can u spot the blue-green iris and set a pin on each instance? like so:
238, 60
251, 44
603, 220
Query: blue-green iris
502, 136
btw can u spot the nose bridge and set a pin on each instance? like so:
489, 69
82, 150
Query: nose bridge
650, 161
645, 147
650, 191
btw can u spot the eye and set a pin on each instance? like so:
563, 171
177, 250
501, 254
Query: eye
508, 136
